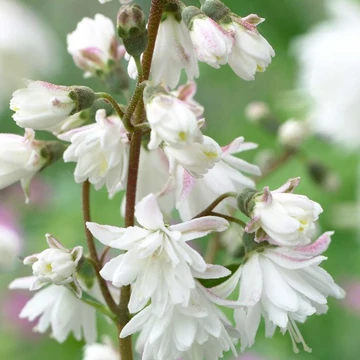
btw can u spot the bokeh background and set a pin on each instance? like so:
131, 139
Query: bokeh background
55, 206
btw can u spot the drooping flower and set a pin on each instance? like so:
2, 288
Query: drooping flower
286, 218
324, 73
20, 158
57, 308
251, 52
100, 151
93, 45
284, 286
195, 195
199, 330
45, 106
170, 119
158, 261
173, 52
56, 265
213, 43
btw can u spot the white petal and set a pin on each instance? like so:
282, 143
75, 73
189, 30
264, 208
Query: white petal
148, 214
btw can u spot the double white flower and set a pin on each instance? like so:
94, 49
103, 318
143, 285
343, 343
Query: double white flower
283, 218
158, 261
20, 158
284, 286
101, 151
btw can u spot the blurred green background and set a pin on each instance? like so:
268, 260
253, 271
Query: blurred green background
225, 96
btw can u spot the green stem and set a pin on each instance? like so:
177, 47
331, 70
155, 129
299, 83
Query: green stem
102, 95
229, 218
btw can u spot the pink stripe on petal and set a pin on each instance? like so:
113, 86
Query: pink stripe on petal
317, 247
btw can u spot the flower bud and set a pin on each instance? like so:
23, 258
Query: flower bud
217, 11
170, 119
56, 265
44, 106
292, 133
131, 27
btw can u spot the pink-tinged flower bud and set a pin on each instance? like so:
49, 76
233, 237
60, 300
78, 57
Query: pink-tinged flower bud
45, 106
170, 119
56, 265
213, 43
20, 158
131, 27
93, 45
279, 216
293, 133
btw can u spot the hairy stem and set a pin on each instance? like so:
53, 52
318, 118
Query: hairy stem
214, 204
92, 250
136, 110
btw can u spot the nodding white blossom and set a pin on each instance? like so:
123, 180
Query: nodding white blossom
195, 195
170, 119
25, 40
56, 265
213, 43
293, 133
20, 158
197, 331
42, 106
186, 94
196, 158
331, 78
158, 262
10, 243
101, 151
93, 45
173, 52
57, 308
251, 51
284, 286
283, 218
100, 351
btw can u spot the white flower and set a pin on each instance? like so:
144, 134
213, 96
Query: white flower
251, 52
331, 77
170, 119
158, 261
10, 243
292, 133
20, 158
56, 265
56, 307
284, 286
42, 106
173, 52
100, 151
186, 94
194, 195
197, 331
24, 34
213, 44
93, 44
286, 218
99, 351
196, 158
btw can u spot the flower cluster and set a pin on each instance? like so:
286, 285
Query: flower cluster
154, 150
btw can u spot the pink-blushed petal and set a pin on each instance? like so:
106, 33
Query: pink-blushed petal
289, 186
106, 234
232, 304
290, 259
22, 283
212, 272
200, 227
317, 247
252, 225
148, 214
266, 198
228, 286
251, 281
238, 145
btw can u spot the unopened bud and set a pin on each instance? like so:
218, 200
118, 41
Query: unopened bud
217, 11
245, 201
292, 133
131, 27
83, 97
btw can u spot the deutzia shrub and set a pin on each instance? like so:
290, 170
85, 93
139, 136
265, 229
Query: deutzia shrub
178, 185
